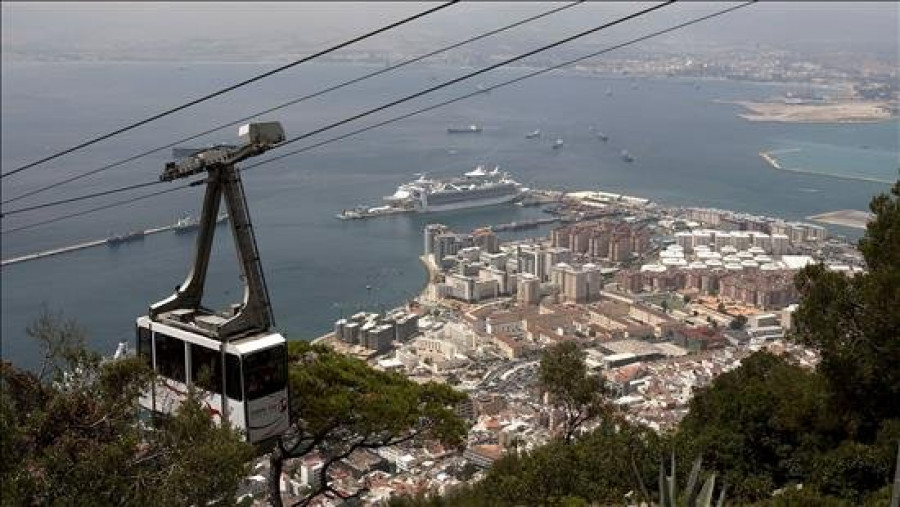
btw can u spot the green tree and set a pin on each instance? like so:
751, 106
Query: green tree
579, 395
70, 435
339, 404
855, 323
760, 425
596, 469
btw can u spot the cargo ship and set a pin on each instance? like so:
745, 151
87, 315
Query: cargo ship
118, 239
471, 129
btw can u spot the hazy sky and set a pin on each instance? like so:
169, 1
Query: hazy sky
306, 26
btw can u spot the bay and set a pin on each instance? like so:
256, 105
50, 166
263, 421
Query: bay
689, 150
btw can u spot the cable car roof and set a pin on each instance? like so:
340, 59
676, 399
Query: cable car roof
240, 346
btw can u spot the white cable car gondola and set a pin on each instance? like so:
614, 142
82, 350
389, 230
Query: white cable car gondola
235, 361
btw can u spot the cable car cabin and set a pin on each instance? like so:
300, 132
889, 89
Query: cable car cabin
255, 395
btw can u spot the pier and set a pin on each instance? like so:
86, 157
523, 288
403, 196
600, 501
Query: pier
73, 248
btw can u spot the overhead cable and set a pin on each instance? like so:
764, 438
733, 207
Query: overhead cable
115, 204
429, 108
293, 101
499, 85
227, 89
489, 68
407, 98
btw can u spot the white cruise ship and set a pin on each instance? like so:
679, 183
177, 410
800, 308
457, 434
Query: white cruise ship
475, 188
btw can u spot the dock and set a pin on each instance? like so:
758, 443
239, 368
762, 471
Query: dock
55, 251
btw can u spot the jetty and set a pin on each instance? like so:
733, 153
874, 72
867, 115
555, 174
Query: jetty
72, 248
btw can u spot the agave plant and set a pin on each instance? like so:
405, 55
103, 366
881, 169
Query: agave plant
690, 497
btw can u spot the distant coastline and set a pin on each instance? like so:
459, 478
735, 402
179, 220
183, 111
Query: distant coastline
824, 112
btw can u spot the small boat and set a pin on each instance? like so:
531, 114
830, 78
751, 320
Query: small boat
534, 134
186, 224
557, 144
627, 156
601, 136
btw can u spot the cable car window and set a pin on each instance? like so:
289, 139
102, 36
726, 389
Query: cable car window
206, 368
170, 357
145, 346
264, 372
233, 377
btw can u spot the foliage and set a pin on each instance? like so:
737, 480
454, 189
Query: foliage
670, 496
339, 404
598, 468
760, 424
855, 324
70, 435
580, 396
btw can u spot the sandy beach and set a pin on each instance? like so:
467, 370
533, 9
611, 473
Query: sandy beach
832, 112
847, 218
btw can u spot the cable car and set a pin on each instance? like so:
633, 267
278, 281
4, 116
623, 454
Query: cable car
235, 361
254, 398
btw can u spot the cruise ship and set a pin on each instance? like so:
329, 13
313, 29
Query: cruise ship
475, 188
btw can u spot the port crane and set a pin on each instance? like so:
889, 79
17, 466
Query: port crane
235, 360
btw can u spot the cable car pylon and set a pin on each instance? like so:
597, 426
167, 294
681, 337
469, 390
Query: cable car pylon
235, 360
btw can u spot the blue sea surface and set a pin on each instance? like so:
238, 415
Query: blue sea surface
868, 151
688, 149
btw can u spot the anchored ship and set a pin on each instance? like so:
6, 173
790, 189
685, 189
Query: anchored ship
471, 129
187, 223
475, 188
558, 144
534, 134
125, 238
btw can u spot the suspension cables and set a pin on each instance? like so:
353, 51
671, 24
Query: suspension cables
115, 204
501, 84
489, 68
413, 113
294, 101
407, 98
228, 89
